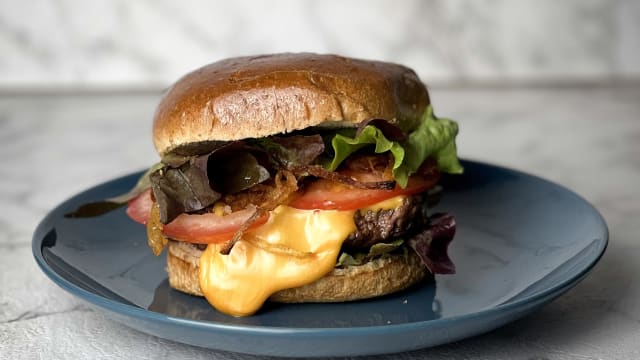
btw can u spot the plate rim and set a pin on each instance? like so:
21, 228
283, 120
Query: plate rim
259, 330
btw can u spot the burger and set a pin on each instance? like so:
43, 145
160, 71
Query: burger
297, 178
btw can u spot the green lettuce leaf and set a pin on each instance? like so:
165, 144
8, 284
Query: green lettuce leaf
433, 137
375, 251
343, 146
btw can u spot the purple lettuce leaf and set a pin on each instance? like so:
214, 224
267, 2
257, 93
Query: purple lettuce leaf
182, 189
432, 243
294, 150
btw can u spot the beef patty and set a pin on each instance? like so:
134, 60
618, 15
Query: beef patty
373, 227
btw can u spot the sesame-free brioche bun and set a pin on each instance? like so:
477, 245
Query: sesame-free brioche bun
252, 97
376, 278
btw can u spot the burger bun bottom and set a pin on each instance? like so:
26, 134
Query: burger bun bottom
378, 277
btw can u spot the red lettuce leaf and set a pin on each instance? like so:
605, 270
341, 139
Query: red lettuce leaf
432, 243
200, 181
183, 189
236, 171
294, 150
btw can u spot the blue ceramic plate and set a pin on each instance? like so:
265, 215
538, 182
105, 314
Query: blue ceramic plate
521, 242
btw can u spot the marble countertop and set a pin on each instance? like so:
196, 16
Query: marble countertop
587, 139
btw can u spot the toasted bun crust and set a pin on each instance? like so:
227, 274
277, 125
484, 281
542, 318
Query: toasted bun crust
265, 95
376, 278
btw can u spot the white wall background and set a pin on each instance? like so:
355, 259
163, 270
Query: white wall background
147, 44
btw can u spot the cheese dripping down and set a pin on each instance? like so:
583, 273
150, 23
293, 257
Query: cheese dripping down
294, 248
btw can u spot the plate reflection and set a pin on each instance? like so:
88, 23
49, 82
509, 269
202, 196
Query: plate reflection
416, 304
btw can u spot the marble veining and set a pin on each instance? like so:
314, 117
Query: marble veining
149, 44
584, 138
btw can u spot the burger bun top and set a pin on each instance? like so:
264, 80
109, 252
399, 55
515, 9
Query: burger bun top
252, 97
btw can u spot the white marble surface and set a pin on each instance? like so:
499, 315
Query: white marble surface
585, 138
148, 43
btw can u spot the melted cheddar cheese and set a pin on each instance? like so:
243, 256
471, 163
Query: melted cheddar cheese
391, 203
295, 247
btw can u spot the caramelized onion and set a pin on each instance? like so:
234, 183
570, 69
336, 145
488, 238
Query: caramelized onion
238, 235
319, 171
156, 240
268, 197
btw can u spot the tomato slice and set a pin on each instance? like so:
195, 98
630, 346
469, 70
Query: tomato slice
139, 207
327, 195
195, 228
210, 228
